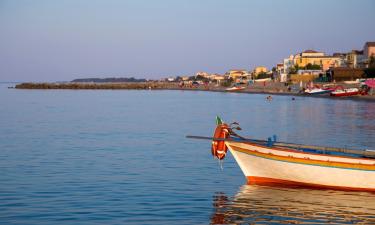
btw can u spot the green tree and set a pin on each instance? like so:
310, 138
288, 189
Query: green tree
202, 78
310, 66
263, 75
227, 82
293, 69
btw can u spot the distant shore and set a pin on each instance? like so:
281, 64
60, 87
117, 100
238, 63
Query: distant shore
271, 88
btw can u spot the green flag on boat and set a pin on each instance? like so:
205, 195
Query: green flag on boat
218, 120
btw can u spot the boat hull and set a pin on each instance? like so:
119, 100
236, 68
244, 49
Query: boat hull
318, 91
345, 92
265, 165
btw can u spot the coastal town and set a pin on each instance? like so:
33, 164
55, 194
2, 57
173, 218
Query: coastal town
308, 72
303, 68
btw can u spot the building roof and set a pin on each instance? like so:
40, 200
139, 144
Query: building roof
237, 70
310, 51
370, 43
359, 52
323, 56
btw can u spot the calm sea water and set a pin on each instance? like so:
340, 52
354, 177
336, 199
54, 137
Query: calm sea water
121, 157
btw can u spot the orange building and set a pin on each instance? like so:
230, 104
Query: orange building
258, 70
316, 58
237, 74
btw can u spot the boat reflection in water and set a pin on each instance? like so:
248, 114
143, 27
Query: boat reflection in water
255, 204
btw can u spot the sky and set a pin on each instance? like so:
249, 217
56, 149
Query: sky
42, 40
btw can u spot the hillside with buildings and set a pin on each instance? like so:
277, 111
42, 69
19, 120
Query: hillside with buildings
308, 65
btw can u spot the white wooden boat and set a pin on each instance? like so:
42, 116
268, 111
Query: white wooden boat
270, 162
282, 165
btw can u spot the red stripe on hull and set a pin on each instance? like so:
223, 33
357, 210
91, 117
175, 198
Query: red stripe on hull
287, 183
345, 94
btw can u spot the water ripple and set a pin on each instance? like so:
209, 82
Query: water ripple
121, 157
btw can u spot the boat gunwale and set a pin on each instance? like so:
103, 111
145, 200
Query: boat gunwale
306, 153
309, 162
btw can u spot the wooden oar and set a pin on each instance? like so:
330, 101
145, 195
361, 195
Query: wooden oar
367, 153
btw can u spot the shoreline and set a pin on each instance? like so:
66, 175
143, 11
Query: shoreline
272, 88
365, 98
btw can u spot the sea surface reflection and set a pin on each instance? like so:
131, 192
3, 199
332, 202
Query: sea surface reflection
255, 204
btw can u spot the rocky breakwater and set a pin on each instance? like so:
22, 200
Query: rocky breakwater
113, 86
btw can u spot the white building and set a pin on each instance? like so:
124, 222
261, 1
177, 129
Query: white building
288, 63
